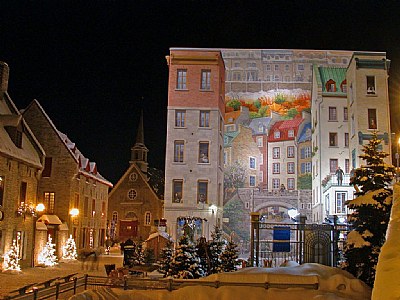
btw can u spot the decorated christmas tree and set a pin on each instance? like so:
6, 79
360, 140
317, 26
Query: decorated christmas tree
69, 249
229, 258
185, 263
216, 247
11, 258
47, 256
166, 259
371, 212
139, 255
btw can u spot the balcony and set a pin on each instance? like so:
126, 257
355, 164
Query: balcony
332, 181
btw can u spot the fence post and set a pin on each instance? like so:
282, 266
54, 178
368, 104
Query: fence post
125, 282
57, 289
86, 280
170, 284
75, 282
35, 292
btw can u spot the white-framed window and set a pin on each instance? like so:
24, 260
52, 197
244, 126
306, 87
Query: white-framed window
205, 80
290, 167
372, 122
276, 168
177, 189
180, 118
305, 167
277, 134
341, 198
276, 152
181, 79
290, 133
290, 183
260, 140
252, 162
202, 191
260, 128
290, 151
49, 202
252, 180
261, 158
132, 194
147, 218
276, 78
268, 67
332, 113
179, 147
204, 120
371, 88
276, 183
204, 155
345, 114
333, 139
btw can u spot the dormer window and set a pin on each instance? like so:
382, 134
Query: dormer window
330, 86
277, 134
291, 133
343, 86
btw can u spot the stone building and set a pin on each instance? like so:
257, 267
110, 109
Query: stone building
135, 205
69, 181
21, 163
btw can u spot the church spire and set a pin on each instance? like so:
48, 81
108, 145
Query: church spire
139, 150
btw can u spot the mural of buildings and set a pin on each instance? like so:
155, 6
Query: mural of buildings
69, 181
21, 164
136, 201
194, 152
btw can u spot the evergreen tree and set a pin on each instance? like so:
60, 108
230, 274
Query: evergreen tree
47, 256
371, 212
229, 258
69, 249
139, 256
186, 263
148, 256
166, 258
11, 258
203, 253
216, 246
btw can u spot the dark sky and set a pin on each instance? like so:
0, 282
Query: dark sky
89, 63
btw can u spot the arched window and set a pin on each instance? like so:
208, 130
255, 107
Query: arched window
343, 86
330, 86
147, 218
115, 216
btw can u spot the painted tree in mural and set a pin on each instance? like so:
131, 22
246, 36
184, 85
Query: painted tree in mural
47, 256
371, 211
166, 258
11, 258
69, 249
238, 217
185, 262
229, 258
216, 247
234, 176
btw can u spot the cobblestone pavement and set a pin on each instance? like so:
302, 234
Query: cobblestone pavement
9, 282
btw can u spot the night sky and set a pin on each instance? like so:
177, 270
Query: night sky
89, 63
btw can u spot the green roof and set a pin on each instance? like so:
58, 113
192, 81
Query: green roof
229, 137
338, 75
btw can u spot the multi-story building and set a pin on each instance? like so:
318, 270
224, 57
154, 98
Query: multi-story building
194, 152
135, 205
69, 181
21, 163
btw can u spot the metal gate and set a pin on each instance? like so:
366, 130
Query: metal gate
273, 244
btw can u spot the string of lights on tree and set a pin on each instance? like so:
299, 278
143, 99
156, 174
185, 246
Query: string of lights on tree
69, 249
11, 257
47, 256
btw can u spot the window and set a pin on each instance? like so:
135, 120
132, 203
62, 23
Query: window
47, 167
204, 118
306, 167
276, 78
300, 67
290, 183
330, 86
290, 168
268, 68
85, 206
343, 86
205, 80
276, 152
132, 194
259, 141
203, 152
333, 165
22, 192
178, 151
277, 134
332, 114
49, 199
276, 67
115, 216
76, 201
276, 168
177, 188
333, 139
347, 166
340, 202
147, 218
103, 209
291, 133
252, 162
286, 67
1, 190
371, 85
353, 129
181, 79
346, 139
372, 119
202, 190
276, 183
345, 114
290, 151
252, 180
93, 207
180, 118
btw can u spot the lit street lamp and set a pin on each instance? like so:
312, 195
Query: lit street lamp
74, 212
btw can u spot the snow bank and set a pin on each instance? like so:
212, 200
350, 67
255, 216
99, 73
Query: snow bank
387, 283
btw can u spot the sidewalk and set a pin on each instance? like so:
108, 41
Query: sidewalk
9, 282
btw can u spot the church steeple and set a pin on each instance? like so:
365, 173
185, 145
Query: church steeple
139, 150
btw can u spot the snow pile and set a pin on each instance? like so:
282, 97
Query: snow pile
387, 284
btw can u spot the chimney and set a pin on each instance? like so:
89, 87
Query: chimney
4, 72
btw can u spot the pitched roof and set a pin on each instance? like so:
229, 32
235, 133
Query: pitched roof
324, 74
230, 117
283, 127
229, 137
305, 134
257, 122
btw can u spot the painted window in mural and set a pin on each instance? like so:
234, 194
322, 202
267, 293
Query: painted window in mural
290, 151
372, 118
204, 120
202, 191
345, 114
333, 139
179, 147
277, 134
346, 139
252, 163
371, 85
180, 118
332, 113
290, 183
276, 183
341, 198
192, 227
177, 188
204, 152
205, 80
290, 168
181, 79
252, 180
276, 168
276, 152
333, 165
290, 133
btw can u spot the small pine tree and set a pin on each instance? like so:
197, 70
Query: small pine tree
47, 256
69, 249
216, 246
166, 258
203, 250
139, 256
185, 263
11, 258
229, 258
148, 256
371, 212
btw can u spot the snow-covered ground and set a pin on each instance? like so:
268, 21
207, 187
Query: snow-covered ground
387, 283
